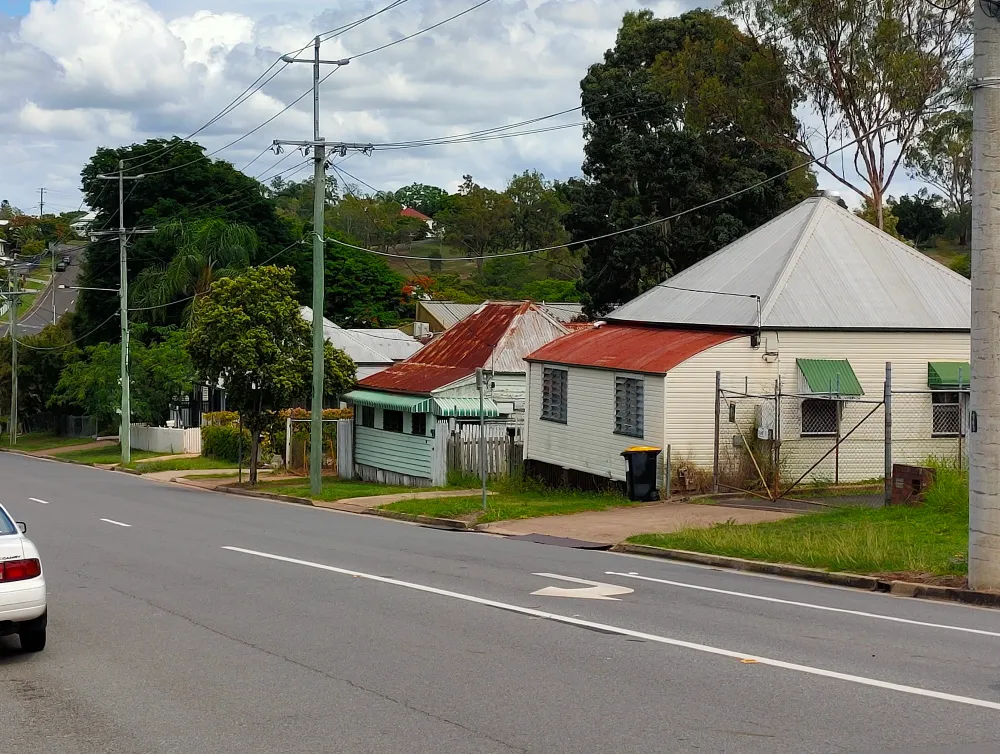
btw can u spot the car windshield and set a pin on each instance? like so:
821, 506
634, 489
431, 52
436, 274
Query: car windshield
6, 525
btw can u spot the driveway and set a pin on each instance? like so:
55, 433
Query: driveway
618, 524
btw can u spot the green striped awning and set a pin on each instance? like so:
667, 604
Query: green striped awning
830, 376
948, 375
375, 399
463, 407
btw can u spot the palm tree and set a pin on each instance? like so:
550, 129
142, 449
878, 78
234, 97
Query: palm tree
206, 251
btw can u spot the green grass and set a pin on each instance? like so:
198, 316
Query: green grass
42, 441
333, 489
181, 464
512, 501
928, 540
110, 454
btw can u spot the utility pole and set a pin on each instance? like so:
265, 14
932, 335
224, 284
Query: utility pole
319, 147
41, 203
125, 428
984, 418
13, 304
481, 384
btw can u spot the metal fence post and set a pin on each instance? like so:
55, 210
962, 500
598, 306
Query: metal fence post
715, 456
667, 473
887, 402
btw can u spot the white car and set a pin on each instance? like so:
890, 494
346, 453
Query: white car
23, 609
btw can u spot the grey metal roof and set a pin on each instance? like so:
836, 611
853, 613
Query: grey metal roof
815, 266
562, 312
368, 345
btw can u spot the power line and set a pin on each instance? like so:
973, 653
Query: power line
421, 31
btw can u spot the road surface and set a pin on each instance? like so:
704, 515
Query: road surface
188, 621
41, 313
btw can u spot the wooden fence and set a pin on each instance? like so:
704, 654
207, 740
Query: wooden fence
504, 449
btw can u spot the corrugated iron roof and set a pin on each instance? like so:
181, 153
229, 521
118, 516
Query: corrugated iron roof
817, 265
450, 313
634, 348
368, 345
498, 337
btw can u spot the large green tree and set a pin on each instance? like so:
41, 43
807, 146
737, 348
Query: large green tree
478, 220
249, 332
361, 289
681, 111
181, 184
41, 360
871, 69
537, 211
941, 156
428, 200
206, 250
920, 217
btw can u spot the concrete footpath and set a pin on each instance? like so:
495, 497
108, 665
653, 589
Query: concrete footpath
618, 524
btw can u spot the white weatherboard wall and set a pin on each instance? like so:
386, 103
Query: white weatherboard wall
690, 402
587, 442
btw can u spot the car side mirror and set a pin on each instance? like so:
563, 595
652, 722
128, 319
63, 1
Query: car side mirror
23, 527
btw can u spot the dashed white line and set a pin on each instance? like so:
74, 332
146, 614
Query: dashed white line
810, 605
861, 680
116, 523
36, 500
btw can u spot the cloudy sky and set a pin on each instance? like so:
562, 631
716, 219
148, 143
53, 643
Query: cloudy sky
78, 74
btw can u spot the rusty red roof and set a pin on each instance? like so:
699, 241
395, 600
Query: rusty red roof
455, 354
651, 350
409, 212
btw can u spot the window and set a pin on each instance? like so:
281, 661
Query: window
392, 421
6, 525
946, 408
629, 406
554, 395
819, 416
419, 426
367, 416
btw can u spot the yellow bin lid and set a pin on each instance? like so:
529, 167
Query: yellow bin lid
641, 449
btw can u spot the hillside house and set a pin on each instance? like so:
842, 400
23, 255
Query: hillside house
403, 414
811, 305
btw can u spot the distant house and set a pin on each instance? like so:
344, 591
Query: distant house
403, 414
440, 316
410, 212
371, 349
815, 303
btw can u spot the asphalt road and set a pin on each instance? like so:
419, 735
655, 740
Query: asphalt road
41, 313
187, 621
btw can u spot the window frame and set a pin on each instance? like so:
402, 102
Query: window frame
957, 406
390, 412
413, 425
551, 410
838, 415
621, 383
368, 417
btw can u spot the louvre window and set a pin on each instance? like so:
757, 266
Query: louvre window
629, 403
419, 426
392, 421
946, 407
819, 417
367, 416
554, 385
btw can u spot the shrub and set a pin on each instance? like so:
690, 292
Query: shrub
223, 443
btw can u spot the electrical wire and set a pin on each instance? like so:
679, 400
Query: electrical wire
418, 33
72, 342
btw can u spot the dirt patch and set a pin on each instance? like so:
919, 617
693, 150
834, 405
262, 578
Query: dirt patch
957, 582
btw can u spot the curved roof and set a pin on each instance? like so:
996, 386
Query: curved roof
816, 266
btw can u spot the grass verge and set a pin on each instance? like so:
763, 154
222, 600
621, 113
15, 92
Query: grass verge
333, 489
181, 464
511, 501
110, 454
42, 441
922, 543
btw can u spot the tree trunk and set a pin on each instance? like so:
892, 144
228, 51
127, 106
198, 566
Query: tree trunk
879, 209
254, 447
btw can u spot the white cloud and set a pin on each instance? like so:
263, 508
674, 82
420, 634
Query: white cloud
79, 74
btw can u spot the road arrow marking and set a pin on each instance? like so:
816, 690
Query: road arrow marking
594, 590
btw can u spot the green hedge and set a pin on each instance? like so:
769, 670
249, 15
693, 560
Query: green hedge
223, 443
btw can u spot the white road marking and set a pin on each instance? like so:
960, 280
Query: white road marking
116, 523
594, 590
805, 604
36, 500
862, 680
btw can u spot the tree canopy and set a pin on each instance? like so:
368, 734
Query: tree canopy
361, 289
681, 111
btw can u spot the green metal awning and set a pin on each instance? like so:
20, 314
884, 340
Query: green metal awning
463, 407
951, 375
413, 403
830, 376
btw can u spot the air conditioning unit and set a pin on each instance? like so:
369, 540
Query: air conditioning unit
421, 329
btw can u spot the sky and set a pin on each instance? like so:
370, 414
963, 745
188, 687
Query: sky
78, 74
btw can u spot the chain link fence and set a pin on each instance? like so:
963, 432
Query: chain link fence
775, 444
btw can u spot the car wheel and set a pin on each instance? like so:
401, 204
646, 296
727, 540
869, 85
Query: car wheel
33, 641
